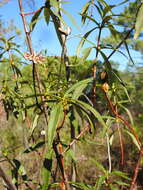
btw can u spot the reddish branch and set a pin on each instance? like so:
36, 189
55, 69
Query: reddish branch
133, 183
117, 115
87, 128
34, 12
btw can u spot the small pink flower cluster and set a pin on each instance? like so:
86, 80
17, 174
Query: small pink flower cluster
36, 58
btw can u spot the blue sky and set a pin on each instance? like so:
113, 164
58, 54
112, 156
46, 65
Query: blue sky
44, 37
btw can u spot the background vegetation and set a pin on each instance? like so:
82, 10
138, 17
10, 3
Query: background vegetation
71, 122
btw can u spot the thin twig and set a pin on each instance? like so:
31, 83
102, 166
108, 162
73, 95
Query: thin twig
109, 153
35, 72
133, 183
121, 118
76, 139
62, 34
31, 13
95, 64
119, 45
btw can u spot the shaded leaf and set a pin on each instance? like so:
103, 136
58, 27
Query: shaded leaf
84, 11
87, 107
120, 174
47, 15
126, 46
35, 19
47, 169
34, 147
100, 181
134, 140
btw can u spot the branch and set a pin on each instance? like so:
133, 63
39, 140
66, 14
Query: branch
121, 118
76, 139
6, 179
133, 183
35, 72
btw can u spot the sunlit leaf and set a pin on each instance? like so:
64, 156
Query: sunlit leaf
54, 119
82, 41
139, 23
86, 53
35, 122
71, 18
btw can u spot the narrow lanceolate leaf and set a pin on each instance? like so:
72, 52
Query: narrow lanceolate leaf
35, 19
100, 182
86, 52
71, 18
139, 23
55, 118
87, 107
47, 169
128, 51
77, 86
35, 122
84, 11
47, 15
134, 140
81, 43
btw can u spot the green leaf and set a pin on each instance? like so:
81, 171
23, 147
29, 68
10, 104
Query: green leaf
71, 18
34, 147
47, 169
113, 31
86, 53
129, 114
100, 181
120, 174
47, 15
99, 165
35, 122
122, 183
55, 116
107, 9
78, 85
139, 23
35, 19
18, 72
82, 41
128, 51
87, 107
18, 51
84, 11
134, 139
